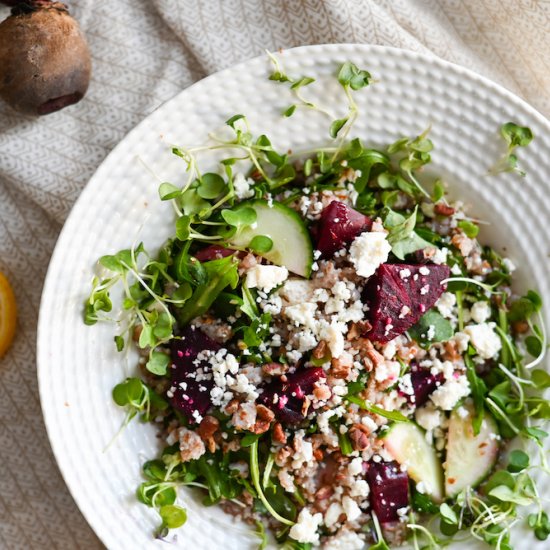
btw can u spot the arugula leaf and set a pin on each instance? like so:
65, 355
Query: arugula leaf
402, 237
479, 391
219, 274
395, 416
431, 327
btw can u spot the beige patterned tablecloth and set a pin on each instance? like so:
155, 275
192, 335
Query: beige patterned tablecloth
144, 52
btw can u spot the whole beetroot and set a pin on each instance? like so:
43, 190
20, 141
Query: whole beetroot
44, 59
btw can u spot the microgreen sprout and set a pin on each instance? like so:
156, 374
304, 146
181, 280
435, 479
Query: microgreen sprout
515, 136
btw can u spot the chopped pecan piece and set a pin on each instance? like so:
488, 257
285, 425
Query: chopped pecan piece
264, 417
207, 428
443, 209
340, 369
359, 437
274, 369
279, 435
324, 492
320, 351
322, 393
232, 406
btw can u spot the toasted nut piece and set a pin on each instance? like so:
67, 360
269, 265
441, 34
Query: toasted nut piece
279, 435
520, 327
264, 417
274, 369
320, 351
324, 492
318, 455
443, 209
339, 368
359, 437
232, 406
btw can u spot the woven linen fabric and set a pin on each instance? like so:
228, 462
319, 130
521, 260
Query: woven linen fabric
144, 52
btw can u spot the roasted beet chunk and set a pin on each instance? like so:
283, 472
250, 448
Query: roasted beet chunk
399, 294
338, 226
389, 490
213, 252
286, 399
423, 383
190, 394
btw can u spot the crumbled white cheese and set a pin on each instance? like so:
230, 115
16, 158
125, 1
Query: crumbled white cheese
445, 304
244, 417
368, 251
484, 338
334, 511
344, 540
480, 312
509, 265
333, 335
296, 291
305, 529
428, 417
461, 341
191, 445
266, 277
440, 256
355, 467
351, 508
387, 371
302, 314
306, 341
450, 393
360, 488
242, 186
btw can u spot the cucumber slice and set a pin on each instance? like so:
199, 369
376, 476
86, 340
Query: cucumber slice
470, 457
292, 246
406, 442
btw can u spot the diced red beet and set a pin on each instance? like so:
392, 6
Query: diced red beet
399, 294
190, 395
213, 252
286, 399
389, 489
338, 226
424, 383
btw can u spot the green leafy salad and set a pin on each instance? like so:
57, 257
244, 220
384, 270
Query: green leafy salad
328, 351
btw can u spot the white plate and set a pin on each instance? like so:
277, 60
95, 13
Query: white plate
78, 365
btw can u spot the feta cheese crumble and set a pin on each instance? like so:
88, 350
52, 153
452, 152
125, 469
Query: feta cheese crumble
484, 338
266, 277
368, 251
305, 529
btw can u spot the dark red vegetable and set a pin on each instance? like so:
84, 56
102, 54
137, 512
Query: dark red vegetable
338, 226
286, 398
389, 489
213, 252
190, 394
399, 294
44, 59
424, 383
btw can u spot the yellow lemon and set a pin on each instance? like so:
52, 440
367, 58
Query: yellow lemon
8, 314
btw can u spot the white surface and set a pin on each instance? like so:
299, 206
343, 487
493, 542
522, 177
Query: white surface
78, 365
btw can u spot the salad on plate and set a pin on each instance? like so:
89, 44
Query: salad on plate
327, 349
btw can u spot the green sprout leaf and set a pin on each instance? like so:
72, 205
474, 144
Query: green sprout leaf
518, 461
350, 75
336, 126
158, 363
261, 244
168, 191
240, 217
173, 516
211, 186
289, 111
515, 135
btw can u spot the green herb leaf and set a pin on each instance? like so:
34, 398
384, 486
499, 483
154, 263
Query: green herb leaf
518, 461
173, 516
336, 126
183, 228
288, 112
304, 81
396, 416
240, 217
506, 494
515, 135
261, 244
402, 237
431, 327
168, 191
211, 186
479, 390
158, 363
350, 75
470, 229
